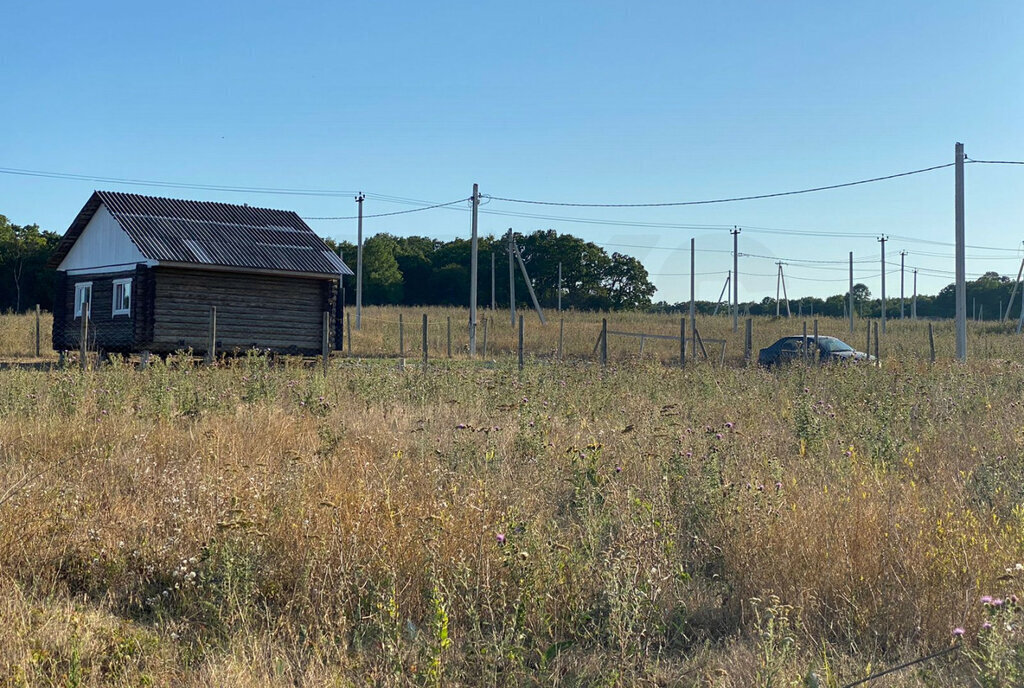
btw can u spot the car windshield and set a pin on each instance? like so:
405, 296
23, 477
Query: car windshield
832, 346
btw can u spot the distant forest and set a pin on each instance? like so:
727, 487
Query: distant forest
419, 271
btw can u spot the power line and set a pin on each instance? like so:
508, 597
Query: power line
397, 212
173, 185
724, 200
997, 162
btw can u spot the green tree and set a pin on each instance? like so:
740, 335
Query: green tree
382, 279
24, 279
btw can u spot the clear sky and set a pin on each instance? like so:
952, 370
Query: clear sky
563, 101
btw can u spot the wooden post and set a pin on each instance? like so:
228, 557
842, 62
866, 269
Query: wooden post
561, 327
211, 341
641, 344
682, 342
325, 344
748, 340
804, 343
37, 330
604, 341
401, 336
521, 362
817, 351
867, 347
449, 336
931, 342
878, 361
485, 336
425, 339
700, 343
83, 344
348, 322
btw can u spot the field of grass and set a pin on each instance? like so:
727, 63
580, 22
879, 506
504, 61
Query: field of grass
257, 523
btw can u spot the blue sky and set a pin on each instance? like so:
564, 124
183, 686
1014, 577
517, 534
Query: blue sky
583, 102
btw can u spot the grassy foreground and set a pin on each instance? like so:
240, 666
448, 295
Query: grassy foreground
261, 525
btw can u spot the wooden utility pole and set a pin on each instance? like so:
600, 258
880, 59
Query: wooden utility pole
359, 262
882, 239
789, 313
778, 286
961, 262
725, 290
851, 293
1013, 292
529, 284
473, 275
511, 281
735, 231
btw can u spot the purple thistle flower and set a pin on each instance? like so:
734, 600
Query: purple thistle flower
729, 425
501, 538
998, 602
1012, 599
986, 626
958, 632
618, 469
778, 485
986, 599
718, 435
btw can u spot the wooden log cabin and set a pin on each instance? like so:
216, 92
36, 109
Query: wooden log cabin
151, 268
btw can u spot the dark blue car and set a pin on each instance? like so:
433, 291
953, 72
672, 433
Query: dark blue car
828, 350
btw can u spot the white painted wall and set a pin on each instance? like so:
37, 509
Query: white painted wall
102, 247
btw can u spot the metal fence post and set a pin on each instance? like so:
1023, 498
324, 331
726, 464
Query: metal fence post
604, 341
425, 340
748, 340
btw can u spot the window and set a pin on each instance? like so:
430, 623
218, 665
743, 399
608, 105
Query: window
83, 295
122, 297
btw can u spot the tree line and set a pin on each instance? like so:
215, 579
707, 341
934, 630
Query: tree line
420, 271
987, 297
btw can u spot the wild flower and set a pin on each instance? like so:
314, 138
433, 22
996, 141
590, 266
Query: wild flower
500, 538
986, 599
729, 425
987, 626
958, 632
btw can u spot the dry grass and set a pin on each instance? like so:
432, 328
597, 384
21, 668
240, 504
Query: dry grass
262, 525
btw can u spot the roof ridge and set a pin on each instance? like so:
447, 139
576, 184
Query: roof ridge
103, 192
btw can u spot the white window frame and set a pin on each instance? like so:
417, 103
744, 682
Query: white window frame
124, 310
80, 288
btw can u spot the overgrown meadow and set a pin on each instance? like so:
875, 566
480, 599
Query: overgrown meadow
257, 523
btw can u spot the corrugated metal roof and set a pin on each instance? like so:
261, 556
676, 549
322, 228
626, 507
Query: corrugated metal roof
206, 233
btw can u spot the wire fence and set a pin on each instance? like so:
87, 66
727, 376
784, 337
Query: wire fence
609, 338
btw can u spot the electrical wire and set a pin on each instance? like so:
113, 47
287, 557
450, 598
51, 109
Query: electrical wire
397, 212
174, 185
724, 200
